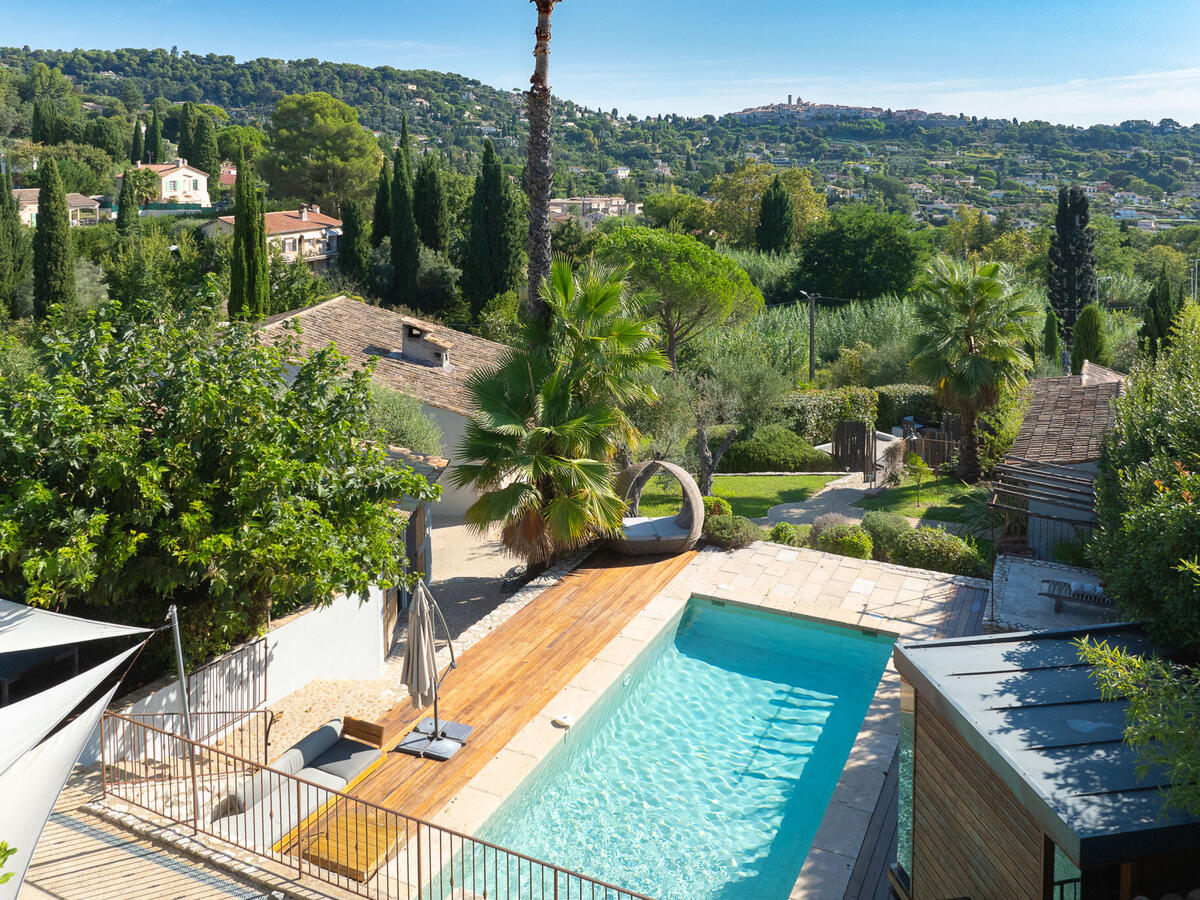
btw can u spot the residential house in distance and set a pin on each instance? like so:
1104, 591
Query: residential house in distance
590, 211
621, 172
181, 187
428, 362
305, 232
82, 210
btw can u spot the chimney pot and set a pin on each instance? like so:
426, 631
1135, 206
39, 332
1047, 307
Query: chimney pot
303, 213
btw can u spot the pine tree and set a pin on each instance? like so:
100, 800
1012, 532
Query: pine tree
1162, 305
1050, 347
354, 246
405, 243
493, 256
777, 219
1071, 277
154, 145
205, 155
15, 252
429, 205
127, 211
1088, 341
138, 152
381, 225
187, 128
53, 247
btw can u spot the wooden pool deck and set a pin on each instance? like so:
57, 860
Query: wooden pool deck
503, 681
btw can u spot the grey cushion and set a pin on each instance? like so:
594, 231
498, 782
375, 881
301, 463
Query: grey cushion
262, 825
320, 777
313, 745
347, 759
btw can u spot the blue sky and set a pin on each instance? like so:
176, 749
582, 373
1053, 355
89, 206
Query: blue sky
1081, 62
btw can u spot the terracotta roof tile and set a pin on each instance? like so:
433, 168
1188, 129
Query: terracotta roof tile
289, 222
367, 333
1067, 418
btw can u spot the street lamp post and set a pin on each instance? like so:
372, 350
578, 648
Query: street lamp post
812, 335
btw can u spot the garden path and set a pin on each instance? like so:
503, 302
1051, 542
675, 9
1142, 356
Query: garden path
835, 497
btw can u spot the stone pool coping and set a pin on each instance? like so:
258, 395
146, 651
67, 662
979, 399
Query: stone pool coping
887, 599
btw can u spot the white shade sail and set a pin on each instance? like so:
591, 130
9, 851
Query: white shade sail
28, 628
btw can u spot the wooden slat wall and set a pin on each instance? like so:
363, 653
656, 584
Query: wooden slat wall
971, 837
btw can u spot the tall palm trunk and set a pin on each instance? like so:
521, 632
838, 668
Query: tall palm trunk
539, 178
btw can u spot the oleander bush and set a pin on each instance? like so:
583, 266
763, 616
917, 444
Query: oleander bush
845, 540
732, 532
774, 448
886, 530
940, 551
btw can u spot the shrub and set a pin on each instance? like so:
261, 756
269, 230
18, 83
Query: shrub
789, 534
1071, 553
813, 414
828, 520
898, 401
885, 529
845, 540
716, 506
773, 448
402, 421
938, 550
731, 532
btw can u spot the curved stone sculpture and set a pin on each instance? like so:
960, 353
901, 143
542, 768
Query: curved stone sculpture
663, 534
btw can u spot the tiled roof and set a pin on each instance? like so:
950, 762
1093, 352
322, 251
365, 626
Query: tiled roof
161, 169
425, 465
367, 333
1068, 417
74, 201
289, 222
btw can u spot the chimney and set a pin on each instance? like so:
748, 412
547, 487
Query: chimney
303, 213
312, 207
419, 346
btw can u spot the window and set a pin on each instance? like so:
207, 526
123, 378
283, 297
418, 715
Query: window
172, 185
290, 245
195, 184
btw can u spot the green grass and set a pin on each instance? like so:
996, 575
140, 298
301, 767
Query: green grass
749, 495
943, 499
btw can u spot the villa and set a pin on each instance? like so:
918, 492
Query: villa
178, 184
302, 233
81, 210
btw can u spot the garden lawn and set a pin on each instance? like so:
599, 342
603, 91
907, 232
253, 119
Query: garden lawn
749, 495
943, 499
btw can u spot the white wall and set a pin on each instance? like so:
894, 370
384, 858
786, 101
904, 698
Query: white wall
454, 502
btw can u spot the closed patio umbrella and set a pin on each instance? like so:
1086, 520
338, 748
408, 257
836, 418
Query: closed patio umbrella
432, 737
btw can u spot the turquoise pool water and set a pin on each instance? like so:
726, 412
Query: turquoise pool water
705, 772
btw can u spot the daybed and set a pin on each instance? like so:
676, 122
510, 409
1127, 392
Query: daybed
663, 534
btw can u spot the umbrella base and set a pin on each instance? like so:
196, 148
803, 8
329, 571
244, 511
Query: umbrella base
423, 743
455, 731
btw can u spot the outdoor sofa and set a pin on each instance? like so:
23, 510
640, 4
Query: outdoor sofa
262, 810
1075, 592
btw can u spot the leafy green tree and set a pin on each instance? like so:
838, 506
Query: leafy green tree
738, 200
429, 205
138, 151
151, 270
354, 246
205, 155
858, 253
492, 264
245, 138
319, 151
109, 135
1050, 337
549, 419
176, 461
127, 209
381, 224
973, 325
776, 232
1089, 343
918, 470
16, 255
53, 246
154, 142
406, 245
691, 287
45, 126
1159, 312
5, 852
1071, 277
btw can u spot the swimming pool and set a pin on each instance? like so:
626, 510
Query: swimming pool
705, 771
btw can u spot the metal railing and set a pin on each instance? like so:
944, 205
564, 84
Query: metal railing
314, 830
235, 681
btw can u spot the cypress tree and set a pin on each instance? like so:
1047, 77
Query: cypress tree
53, 247
239, 268
429, 205
1088, 342
381, 225
138, 151
187, 127
154, 148
127, 211
1050, 348
207, 158
1071, 276
776, 230
405, 243
493, 256
1158, 314
260, 276
354, 246
45, 121
15, 254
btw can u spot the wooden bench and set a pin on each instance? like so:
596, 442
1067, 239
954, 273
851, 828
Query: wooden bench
1089, 595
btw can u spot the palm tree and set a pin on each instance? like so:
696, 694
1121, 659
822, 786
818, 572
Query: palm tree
539, 177
548, 418
974, 324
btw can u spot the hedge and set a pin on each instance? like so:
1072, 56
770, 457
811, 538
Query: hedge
885, 529
845, 540
732, 532
938, 550
773, 448
898, 401
814, 414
